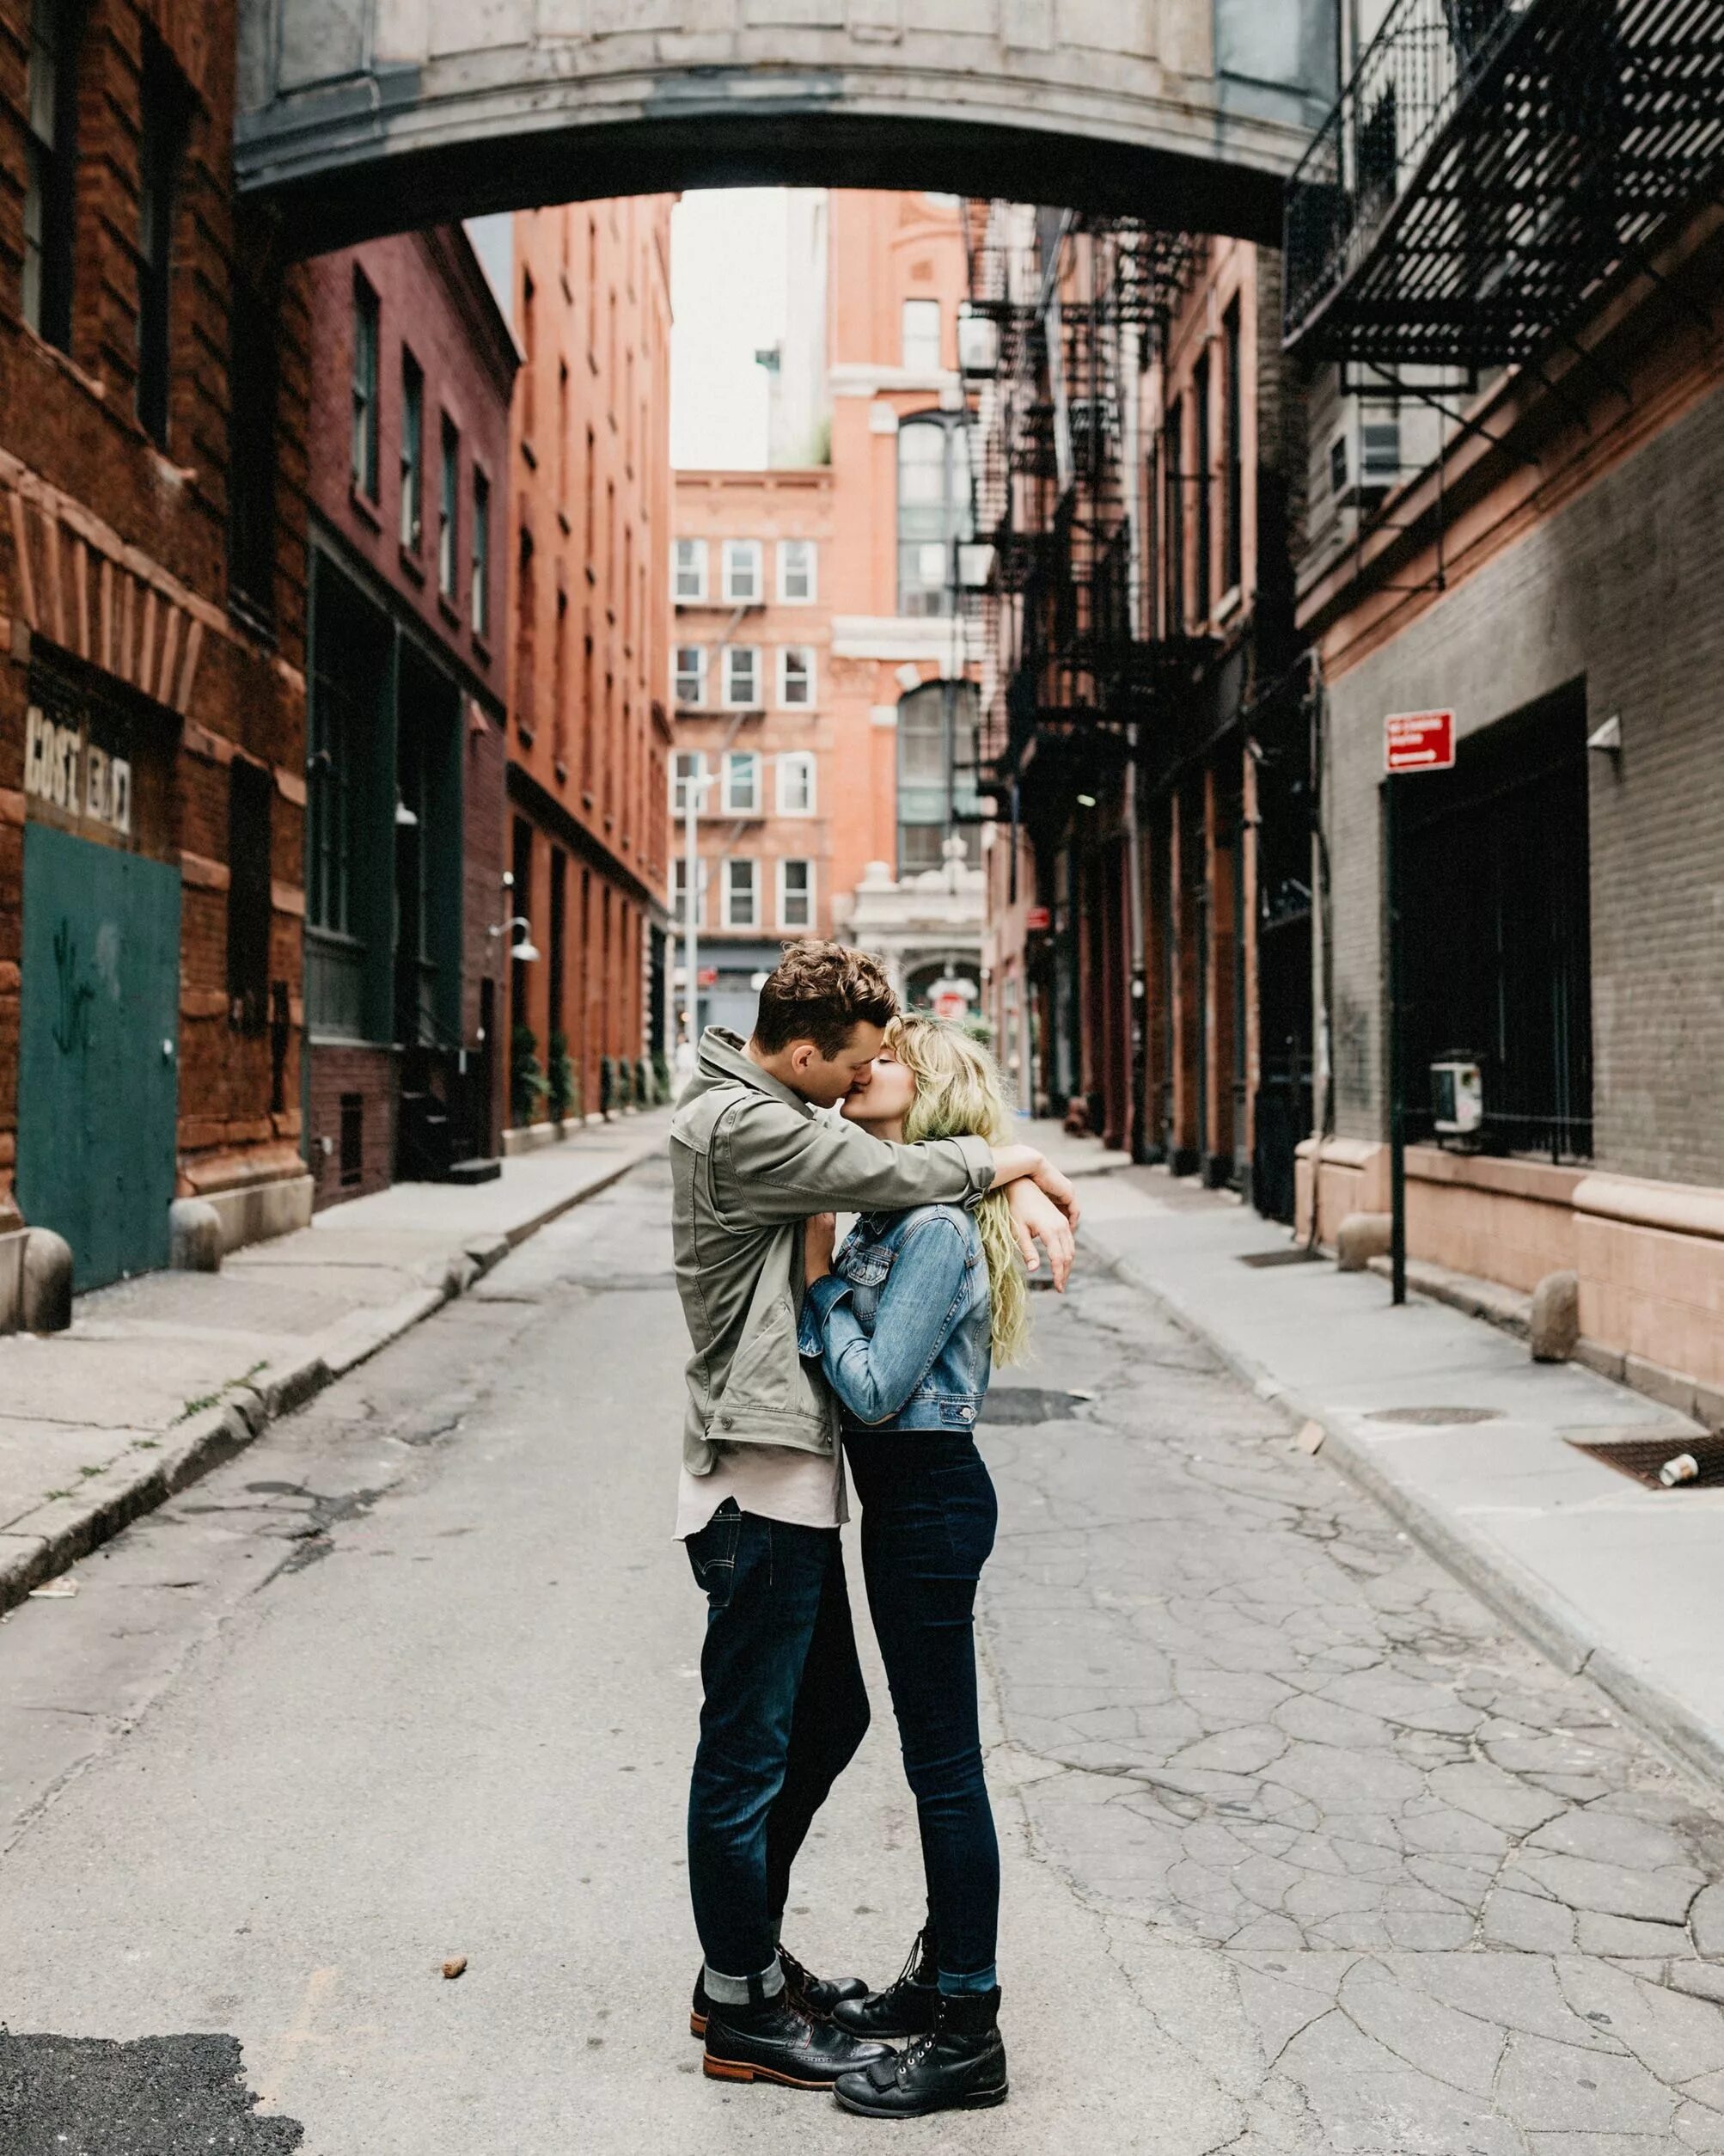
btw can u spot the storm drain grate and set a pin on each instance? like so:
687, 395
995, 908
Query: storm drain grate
1299, 1254
1641, 1457
1436, 1418
1030, 1404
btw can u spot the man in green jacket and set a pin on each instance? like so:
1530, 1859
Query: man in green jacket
762, 1493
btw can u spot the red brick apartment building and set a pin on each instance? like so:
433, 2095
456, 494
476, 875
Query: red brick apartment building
589, 629
152, 385
405, 904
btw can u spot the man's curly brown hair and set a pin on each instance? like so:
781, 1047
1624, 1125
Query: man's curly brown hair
822, 992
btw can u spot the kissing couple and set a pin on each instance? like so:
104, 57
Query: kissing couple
878, 1353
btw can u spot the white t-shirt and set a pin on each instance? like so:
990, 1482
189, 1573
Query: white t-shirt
777, 1482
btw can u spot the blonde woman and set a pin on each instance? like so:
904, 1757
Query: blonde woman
907, 1321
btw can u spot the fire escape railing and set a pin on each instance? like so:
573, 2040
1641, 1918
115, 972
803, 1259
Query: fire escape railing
1489, 166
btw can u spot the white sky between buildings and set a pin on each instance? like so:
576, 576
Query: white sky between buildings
727, 295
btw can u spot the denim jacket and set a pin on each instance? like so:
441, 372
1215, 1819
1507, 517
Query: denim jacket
902, 1324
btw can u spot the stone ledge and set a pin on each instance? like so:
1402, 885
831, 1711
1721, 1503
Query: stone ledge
1680, 1209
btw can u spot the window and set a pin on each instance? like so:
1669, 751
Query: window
679, 891
167, 113
1173, 452
412, 453
688, 571
934, 511
250, 904
741, 782
922, 336
742, 676
480, 596
1232, 449
449, 511
253, 311
741, 894
797, 579
688, 767
742, 572
1205, 476
51, 153
796, 785
364, 388
796, 677
691, 674
795, 894
937, 776
529, 353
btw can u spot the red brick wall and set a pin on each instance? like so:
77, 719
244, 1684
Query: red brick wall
370, 1072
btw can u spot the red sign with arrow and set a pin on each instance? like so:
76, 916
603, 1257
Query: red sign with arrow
1418, 741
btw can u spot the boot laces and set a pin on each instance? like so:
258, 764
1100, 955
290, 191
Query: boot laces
907, 1974
798, 1979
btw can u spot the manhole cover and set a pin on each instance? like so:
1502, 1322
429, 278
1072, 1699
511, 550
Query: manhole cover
1436, 1418
1300, 1254
1642, 1457
1029, 1404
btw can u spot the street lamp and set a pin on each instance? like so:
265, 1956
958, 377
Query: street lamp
526, 951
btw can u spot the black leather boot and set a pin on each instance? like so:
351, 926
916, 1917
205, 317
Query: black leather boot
905, 2008
959, 2066
782, 2042
815, 1995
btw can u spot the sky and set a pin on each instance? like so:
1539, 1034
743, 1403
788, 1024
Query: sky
727, 295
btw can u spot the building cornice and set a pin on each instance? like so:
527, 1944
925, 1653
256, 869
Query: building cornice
940, 638
544, 806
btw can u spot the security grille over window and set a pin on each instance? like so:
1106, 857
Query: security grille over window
1490, 165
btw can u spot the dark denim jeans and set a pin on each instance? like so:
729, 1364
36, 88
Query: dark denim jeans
784, 1712
928, 1516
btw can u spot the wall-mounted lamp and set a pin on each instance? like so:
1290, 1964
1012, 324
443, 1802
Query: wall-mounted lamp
526, 951
1608, 738
1086, 800
405, 818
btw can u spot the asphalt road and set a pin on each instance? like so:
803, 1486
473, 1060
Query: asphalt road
1303, 1856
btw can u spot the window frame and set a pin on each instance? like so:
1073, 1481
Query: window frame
735, 759
163, 138
755, 701
732, 862
412, 453
479, 599
50, 139
449, 512
678, 675
697, 561
752, 551
798, 760
681, 780
786, 653
811, 555
807, 894
921, 306
679, 884
365, 476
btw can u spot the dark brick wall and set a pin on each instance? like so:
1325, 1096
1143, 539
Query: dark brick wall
370, 1073
69, 441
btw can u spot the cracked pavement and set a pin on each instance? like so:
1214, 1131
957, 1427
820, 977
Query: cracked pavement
1304, 1855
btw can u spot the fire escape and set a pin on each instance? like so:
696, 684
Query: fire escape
1491, 167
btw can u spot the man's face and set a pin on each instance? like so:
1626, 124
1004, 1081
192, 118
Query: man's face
826, 1081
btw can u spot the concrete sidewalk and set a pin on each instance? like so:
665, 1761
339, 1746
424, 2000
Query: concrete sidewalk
1604, 1576
161, 1377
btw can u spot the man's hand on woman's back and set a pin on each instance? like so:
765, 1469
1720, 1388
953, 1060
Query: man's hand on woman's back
1038, 1216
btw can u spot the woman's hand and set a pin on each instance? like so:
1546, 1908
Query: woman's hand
818, 1235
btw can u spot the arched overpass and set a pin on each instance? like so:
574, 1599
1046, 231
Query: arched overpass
363, 116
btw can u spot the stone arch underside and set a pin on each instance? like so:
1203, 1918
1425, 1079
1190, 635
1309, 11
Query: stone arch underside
357, 117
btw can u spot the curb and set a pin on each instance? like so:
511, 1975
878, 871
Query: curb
52, 1538
1536, 1610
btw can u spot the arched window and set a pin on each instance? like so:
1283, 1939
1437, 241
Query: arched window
935, 510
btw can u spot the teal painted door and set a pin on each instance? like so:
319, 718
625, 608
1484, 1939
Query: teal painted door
98, 1076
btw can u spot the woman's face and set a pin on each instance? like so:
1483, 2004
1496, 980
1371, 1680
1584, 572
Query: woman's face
887, 1097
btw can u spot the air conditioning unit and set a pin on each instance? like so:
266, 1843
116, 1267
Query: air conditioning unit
1457, 1097
1363, 459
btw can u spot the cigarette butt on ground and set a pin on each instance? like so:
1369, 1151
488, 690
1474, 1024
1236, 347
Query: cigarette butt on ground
1309, 1437
453, 1967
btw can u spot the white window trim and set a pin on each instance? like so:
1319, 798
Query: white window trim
732, 758
813, 591
697, 702
783, 919
915, 366
806, 653
753, 866
733, 702
792, 760
732, 549
678, 866
677, 780
688, 598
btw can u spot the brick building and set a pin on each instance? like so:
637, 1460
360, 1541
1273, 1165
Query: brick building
406, 901
152, 386
817, 628
1542, 558
590, 653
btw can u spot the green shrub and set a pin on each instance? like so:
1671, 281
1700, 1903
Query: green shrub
528, 1084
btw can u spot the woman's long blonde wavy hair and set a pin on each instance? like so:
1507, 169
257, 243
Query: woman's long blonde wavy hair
958, 1094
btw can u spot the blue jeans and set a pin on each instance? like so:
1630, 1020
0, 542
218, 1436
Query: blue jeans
928, 1516
785, 1709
